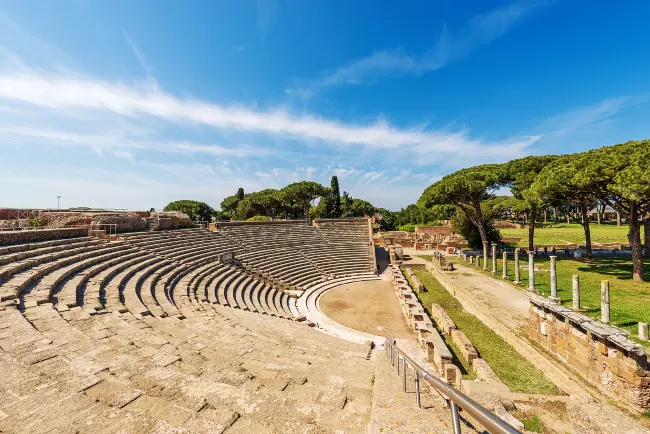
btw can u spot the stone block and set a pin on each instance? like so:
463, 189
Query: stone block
463, 344
452, 375
442, 320
484, 372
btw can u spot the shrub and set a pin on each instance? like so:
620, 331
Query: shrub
259, 218
407, 228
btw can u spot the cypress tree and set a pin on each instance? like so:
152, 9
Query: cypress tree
336, 197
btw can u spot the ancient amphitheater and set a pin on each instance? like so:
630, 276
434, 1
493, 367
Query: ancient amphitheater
216, 330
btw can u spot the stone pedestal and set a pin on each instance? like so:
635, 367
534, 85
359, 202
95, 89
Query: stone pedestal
485, 255
604, 301
494, 258
553, 264
576, 292
504, 275
643, 331
517, 281
531, 271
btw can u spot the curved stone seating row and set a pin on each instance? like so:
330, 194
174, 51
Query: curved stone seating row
338, 260
232, 287
307, 305
207, 373
25, 275
284, 265
21, 252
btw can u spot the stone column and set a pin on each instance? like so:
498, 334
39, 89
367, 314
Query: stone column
554, 296
576, 292
504, 275
485, 254
604, 301
643, 331
494, 258
531, 271
517, 281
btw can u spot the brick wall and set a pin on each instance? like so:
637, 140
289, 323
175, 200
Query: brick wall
19, 237
432, 230
599, 353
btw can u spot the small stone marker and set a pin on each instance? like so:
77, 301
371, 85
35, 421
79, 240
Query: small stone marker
531, 271
485, 245
504, 275
604, 301
576, 292
643, 331
553, 296
517, 281
494, 258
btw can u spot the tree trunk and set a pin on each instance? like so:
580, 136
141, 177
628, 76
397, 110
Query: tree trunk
634, 236
585, 225
555, 214
598, 213
646, 236
618, 218
544, 215
531, 229
568, 217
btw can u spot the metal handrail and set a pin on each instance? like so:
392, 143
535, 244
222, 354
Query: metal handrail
454, 398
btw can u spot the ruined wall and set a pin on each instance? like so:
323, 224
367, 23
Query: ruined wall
432, 230
601, 354
19, 237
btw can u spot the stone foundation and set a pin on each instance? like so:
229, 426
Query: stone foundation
19, 237
601, 354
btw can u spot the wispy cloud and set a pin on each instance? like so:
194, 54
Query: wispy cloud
66, 92
478, 31
591, 115
138, 55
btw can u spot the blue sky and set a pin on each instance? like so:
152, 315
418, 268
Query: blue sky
133, 104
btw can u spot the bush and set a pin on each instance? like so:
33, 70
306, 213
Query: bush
37, 221
259, 218
407, 228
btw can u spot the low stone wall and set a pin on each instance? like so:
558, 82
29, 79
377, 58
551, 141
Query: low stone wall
19, 237
599, 353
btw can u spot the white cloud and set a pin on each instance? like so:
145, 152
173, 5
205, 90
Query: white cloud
65, 92
125, 155
480, 30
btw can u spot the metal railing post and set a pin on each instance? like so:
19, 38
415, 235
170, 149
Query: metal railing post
417, 390
455, 418
404, 375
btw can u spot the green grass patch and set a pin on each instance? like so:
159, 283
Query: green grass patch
533, 424
570, 233
425, 257
629, 300
513, 369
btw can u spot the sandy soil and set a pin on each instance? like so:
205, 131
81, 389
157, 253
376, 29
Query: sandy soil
370, 307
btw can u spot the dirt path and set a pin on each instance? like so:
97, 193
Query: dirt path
369, 306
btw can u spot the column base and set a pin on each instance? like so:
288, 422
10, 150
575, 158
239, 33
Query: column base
554, 299
516, 282
504, 277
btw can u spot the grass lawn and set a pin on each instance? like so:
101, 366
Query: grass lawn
570, 233
629, 300
512, 368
